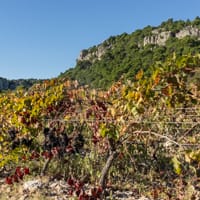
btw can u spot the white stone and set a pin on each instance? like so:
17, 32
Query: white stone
32, 185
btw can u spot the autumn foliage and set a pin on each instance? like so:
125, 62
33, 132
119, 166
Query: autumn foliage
145, 128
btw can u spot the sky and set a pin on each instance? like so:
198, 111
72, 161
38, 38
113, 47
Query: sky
42, 38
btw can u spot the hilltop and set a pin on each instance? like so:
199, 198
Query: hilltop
124, 55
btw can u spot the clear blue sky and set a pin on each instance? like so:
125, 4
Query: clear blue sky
41, 38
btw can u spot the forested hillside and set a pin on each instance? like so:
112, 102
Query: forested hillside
6, 84
126, 54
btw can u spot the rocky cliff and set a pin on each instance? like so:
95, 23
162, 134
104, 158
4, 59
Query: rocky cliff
94, 53
159, 37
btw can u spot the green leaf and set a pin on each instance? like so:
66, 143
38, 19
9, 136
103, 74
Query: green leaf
176, 165
109, 131
103, 130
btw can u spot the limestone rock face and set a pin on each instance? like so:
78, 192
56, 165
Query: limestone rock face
160, 37
188, 31
157, 38
94, 53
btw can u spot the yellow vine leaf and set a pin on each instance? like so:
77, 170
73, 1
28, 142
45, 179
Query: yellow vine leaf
113, 112
139, 75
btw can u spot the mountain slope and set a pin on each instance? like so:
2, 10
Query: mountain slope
126, 54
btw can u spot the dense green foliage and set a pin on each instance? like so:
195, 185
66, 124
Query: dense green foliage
125, 54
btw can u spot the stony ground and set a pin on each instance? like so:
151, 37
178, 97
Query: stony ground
44, 189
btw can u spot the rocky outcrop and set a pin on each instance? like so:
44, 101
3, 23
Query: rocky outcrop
160, 37
188, 31
94, 53
157, 38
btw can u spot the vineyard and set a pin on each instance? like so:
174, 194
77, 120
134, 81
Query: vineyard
141, 135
